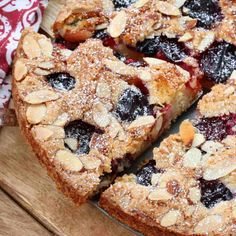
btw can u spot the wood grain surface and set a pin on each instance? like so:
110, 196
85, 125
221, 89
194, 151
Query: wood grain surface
26, 181
15, 221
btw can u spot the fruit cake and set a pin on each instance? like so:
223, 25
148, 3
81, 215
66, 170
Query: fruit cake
171, 30
189, 187
87, 114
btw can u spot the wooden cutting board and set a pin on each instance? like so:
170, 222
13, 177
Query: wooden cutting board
33, 205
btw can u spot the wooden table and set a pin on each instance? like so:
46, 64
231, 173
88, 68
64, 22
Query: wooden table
30, 205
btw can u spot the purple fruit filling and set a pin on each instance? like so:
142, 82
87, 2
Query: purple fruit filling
144, 175
207, 12
132, 103
101, 34
83, 133
170, 47
217, 128
122, 3
213, 192
61, 81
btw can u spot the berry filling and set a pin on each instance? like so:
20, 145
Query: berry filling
163, 48
61, 81
207, 12
213, 192
219, 62
122, 3
132, 103
83, 133
217, 128
144, 175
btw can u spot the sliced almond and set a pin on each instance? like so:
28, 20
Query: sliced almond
229, 90
102, 26
179, 3
194, 195
170, 218
36, 113
46, 65
198, 140
211, 146
160, 194
142, 121
115, 129
192, 158
41, 96
68, 160
158, 126
206, 41
65, 53
72, 143
233, 75
167, 8
103, 90
100, 115
46, 46
140, 3
42, 72
187, 132
155, 179
120, 67
20, 70
219, 170
42, 133
90, 162
145, 75
209, 224
107, 6
117, 24
185, 73
58, 132
186, 37
31, 47
61, 120
153, 62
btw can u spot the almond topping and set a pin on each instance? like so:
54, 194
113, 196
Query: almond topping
145, 75
142, 121
117, 25
100, 115
58, 132
160, 194
72, 143
194, 195
206, 41
31, 47
167, 8
61, 120
192, 158
41, 96
42, 133
46, 46
209, 224
103, 90
36, 113
198, 140
90, 162
179, 3
187, 132
69, 160
140, 3
170, 218
220, 169
186, 37
107, 6
20, 70
153, 62
42, 72
211, 146
46, 65
233, 75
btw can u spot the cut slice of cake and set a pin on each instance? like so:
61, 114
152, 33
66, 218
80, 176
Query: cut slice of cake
189, 188
87, 114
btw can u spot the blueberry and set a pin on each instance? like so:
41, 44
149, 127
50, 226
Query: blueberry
219, 62
122, 3
144, 175
132, 103
207, 12
213, 192
83, 133
119, 56
171, 48
100, 34
61, 81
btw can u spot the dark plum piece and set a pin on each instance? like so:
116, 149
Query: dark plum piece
135, 63
100, 34
217, 128
219, 62
213, 192
207, 12
144, 175
119, 56
149, 46
122, 3
171, 48
132, 103
83, 133
61, 80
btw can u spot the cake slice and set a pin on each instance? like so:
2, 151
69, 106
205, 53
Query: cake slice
189, 187
174, 31
87, 114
